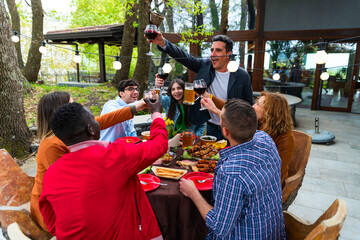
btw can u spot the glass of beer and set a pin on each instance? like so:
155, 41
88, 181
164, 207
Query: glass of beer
188, 138
157, 90
189, 95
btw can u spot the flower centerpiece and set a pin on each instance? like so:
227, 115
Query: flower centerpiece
170, 127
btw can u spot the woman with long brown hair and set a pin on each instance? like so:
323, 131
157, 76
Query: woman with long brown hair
175, 109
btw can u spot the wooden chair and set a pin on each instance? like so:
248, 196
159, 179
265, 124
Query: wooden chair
297, 167
327, 227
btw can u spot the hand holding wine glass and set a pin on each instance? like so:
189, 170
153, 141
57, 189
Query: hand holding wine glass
200, 87
151, 33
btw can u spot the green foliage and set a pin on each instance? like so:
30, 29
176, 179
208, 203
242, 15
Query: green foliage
99, 12
192, 8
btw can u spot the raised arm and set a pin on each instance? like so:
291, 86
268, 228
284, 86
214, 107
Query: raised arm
177, 53
110, 119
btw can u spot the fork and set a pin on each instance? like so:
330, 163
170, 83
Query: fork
145, 183
202, 181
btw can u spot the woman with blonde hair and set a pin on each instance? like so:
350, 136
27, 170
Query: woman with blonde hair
52, 148
274, 118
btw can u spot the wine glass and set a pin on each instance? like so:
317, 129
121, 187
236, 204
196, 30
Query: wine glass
151, 95
151, 34
199, 88
162, 75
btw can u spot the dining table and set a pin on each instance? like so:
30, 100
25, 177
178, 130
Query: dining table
177, 215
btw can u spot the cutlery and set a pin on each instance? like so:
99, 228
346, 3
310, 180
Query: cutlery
202, 181
146, 183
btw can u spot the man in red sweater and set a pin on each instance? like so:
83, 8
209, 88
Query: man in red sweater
93, 192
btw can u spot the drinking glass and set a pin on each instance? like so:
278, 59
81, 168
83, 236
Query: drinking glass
162, 74
151, 95
151, 34
199, 88
188, 138
189, 94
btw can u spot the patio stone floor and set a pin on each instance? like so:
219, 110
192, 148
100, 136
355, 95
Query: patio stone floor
333, 171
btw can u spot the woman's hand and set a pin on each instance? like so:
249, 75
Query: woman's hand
159, 82
209, 104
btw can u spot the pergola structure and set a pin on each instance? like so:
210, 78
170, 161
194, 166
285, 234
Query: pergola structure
102, 35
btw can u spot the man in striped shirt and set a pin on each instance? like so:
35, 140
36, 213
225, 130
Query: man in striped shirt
246, 190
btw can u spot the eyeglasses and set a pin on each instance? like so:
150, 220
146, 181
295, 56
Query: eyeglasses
132, 89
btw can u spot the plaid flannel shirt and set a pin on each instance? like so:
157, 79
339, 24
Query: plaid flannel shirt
247, 192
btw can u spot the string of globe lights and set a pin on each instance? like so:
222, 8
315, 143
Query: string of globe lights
320, 57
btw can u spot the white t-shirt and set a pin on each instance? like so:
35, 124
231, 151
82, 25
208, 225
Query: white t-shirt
219, 89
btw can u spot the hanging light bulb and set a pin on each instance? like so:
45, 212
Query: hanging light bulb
232, 65
167, 67
77, 58
276, 76
324, 75
320, 57
42, 48
15, 38
117, 63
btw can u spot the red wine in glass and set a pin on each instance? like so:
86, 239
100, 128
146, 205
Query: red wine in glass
200, 90
200, 87
150, 34
162, 74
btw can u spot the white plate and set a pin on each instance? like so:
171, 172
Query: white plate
183, 171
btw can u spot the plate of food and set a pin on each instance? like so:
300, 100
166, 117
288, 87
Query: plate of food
171, 173
203, 181
129, 139
205, 166
198, 151
148, 181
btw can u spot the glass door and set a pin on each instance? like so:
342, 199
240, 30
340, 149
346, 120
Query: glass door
355, 108
335, 93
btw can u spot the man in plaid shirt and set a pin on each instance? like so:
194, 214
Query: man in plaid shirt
246, 189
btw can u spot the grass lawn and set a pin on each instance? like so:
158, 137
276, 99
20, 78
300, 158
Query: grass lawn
92, 98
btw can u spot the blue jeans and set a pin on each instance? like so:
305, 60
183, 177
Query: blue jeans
214, 130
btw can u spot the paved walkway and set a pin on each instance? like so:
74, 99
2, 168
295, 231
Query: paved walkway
333, 171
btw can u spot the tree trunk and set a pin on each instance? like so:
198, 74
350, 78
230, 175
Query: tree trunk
15, 136
127, 44
242, 27
214, 15
169, 16
15, 23
143, 62
33, 63
251, 15
224, 17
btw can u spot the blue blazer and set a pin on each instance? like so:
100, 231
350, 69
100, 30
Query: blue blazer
239, 83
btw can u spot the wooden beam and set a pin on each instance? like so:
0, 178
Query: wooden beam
258, 72
102, 62
312, 34
194, 50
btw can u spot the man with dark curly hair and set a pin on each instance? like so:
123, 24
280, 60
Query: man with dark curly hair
128, 94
